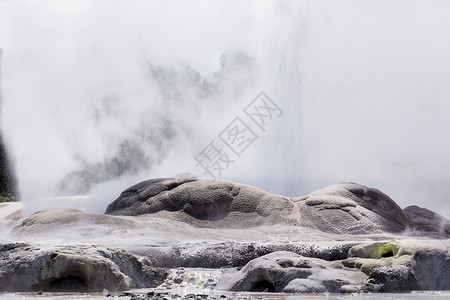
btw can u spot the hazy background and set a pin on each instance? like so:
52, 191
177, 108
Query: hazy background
101, 94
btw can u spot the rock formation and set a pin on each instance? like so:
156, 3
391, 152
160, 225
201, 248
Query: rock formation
355, 209
291, 273
346, 208
250, 239
25, 267
371, 267
205, 203
428, 220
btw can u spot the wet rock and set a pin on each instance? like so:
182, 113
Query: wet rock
25, 267
392, 279
432, 268
402, 266
428, 220
289, 272
232, 254
304, 286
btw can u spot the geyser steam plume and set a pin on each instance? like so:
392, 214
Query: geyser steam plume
99, 95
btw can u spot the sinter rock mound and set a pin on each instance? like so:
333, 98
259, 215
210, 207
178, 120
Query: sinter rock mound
372, 267
353, 208
197, 223
67, 220
346, 208
204, 203
288, 272
26, 267
428, 220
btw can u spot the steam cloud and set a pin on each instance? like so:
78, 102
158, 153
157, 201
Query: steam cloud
101, 94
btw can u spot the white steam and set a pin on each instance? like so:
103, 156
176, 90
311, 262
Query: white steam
101, 94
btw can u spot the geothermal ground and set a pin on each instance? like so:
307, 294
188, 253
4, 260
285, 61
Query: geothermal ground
209, 239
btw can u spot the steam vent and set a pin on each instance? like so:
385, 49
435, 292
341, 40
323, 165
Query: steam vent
223, 237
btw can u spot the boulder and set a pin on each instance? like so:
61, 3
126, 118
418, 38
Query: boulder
432, 268
346, 208
379, 267
353, 209
203, 203
25, 267
402, 265
428, 220
284, 271
392, 279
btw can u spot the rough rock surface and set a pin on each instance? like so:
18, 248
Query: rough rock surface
284, 271
346, 208
353, 208
65, 219
428, 220
432, 268
26, 267
303, 244
204, 203
388, 266
232, 254
392, 279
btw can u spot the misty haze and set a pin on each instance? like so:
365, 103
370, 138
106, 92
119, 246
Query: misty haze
168, 141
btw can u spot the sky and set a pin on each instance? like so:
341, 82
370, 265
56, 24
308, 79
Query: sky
99, 95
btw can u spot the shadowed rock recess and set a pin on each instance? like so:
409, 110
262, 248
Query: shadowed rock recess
26, 267
343, 238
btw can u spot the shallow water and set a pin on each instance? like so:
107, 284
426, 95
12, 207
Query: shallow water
241, 295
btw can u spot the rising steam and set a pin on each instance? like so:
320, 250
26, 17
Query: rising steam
99, 95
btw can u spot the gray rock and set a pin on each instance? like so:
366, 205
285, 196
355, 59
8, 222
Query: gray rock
350, 289
428, 220
344, 208
392, 279
389, 266
232, 254
203, 203
25, 267
304, 286
305, 244
432, 268
402, 266
353, 209
284, 271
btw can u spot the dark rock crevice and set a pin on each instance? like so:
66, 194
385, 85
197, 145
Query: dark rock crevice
73, 268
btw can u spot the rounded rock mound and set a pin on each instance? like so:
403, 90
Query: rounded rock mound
203, 203
350, 208
345, 208
81, 268
428, 220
